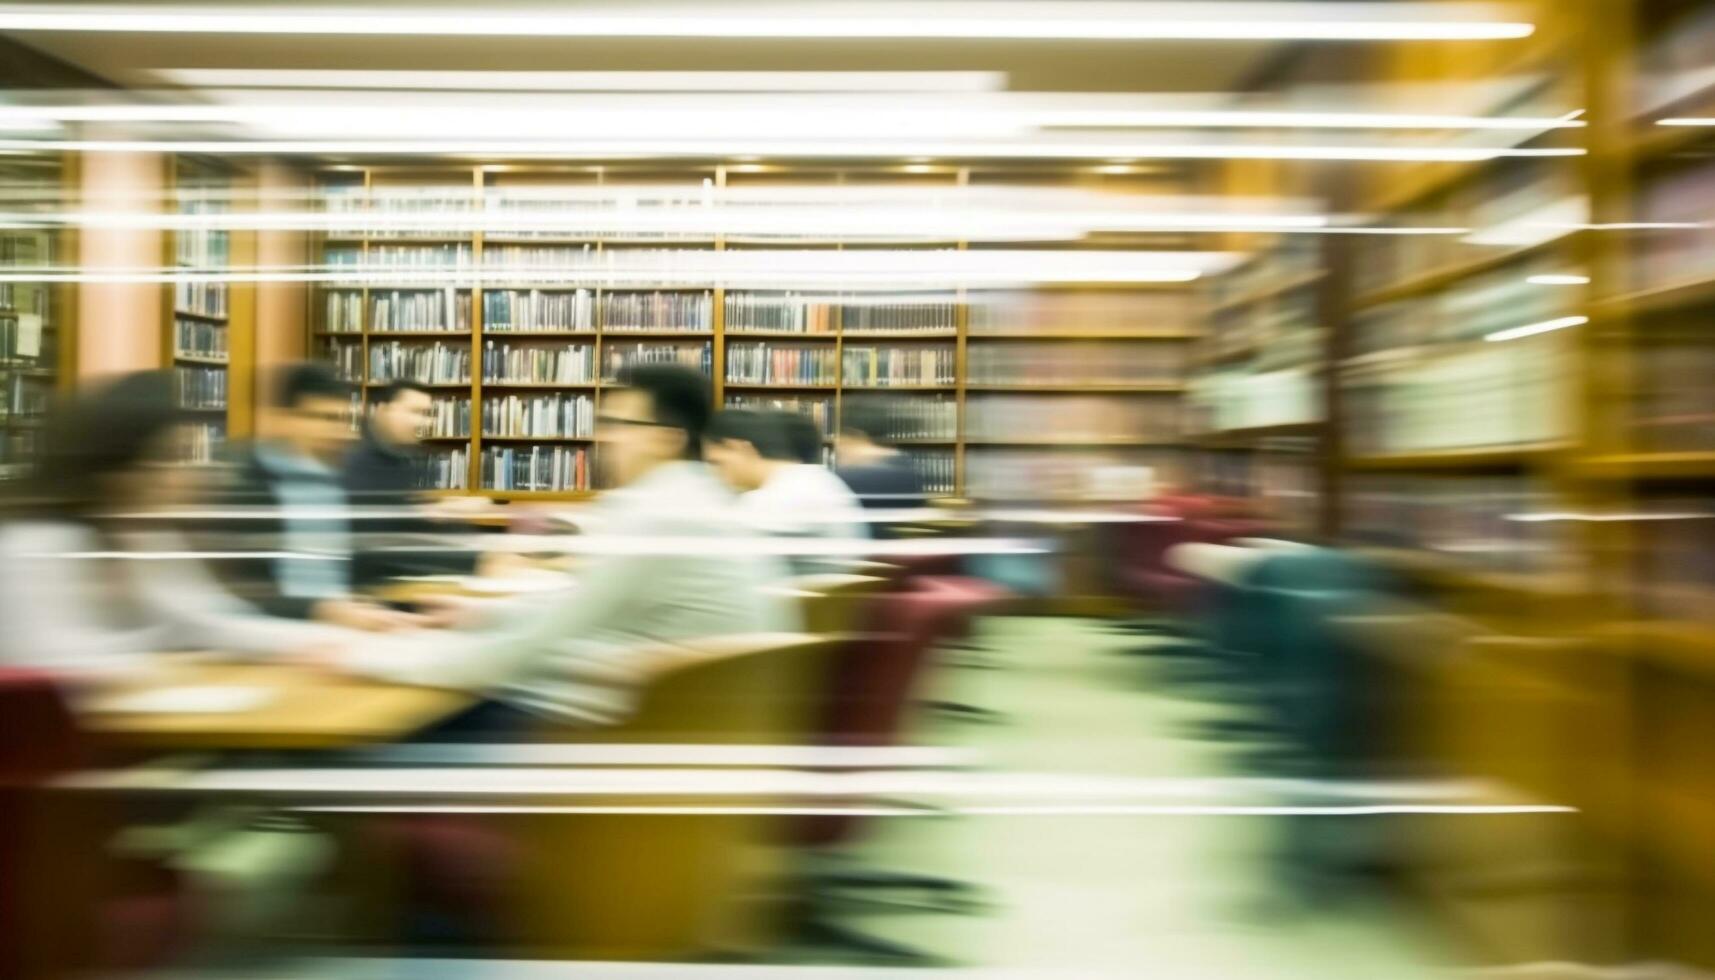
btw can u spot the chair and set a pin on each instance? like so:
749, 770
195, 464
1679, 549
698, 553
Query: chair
64, 905
869, 689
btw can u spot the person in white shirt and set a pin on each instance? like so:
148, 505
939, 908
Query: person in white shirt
780, 495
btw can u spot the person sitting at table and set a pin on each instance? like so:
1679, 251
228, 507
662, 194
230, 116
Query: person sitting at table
89, 584
754, 454
675, 569
302, 510
881, 476
384, 470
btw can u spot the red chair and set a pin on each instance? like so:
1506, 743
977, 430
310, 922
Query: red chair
65, 905
872, 685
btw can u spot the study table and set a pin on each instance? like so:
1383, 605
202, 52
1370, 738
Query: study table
289, 707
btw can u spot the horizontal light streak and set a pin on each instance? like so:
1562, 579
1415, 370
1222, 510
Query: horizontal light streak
1532, 329
824, 149
1067, 20
1558, 280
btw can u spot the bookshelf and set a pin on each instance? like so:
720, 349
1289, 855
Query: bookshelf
996, 393
31, 315
200, 314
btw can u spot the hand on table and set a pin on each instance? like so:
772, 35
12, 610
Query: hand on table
367, 616
451, 611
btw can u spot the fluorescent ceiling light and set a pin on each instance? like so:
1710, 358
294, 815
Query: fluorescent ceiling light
597, 149
587, 81
622, 114
1063, 20
1532, 329
1687, 121
1559, 280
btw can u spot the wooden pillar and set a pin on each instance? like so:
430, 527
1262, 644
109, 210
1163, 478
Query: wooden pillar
120, 324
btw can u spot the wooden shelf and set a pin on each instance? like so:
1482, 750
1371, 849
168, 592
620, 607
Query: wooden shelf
610, 334
1270, 291
445, 438
1468, 460
1672, 296
1651, 466
1090, 335
747, 385
201, 359
779, 335
534, 495
947, 387
426, 384
1431, 282
201, 409
539, 287
340, 334
1245, 436
561, 439
221, 318
886, 335
419, 335
540, 384
1162, 388
1076, 442
489, 333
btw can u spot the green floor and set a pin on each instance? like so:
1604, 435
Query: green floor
1175, 895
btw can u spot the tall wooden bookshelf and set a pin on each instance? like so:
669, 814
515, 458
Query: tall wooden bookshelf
32, 346
198, 344
961, 373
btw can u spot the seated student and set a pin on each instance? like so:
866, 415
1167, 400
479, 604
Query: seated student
572, 657
71, 601
779, 495
805, 436
382, 470
293, 480
881, 476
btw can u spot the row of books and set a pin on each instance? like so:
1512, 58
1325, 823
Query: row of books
1245, 400
1677, 250
880, 367
1673, 406
539, 415
1500, 394
344, 312
448, 470
1468, 518
1674, 559
818, 410
199, 339
1069, 418
533, 309
439, 309
1092, 364
643, 312
449, 418
616, 359
570, 364
537, 257
200, 298
201, 387
438, 363
1067, 475
25, 396
411, 258
346, 358
1674, 65
931, 417
535, 468
773, 364
1078, 311
23, 340
779, 313
901, 315
199, 442
200, 248
937, 470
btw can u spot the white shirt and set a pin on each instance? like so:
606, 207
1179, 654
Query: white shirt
808, 501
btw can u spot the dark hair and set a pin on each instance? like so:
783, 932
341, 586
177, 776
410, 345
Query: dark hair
104, 431
308, 380
679, 397
766, 431
804, 435
391, 391
865, 418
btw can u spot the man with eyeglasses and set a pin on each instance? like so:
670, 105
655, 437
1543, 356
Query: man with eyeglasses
301, 511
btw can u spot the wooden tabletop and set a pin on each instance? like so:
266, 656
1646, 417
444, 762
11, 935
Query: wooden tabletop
303, 709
